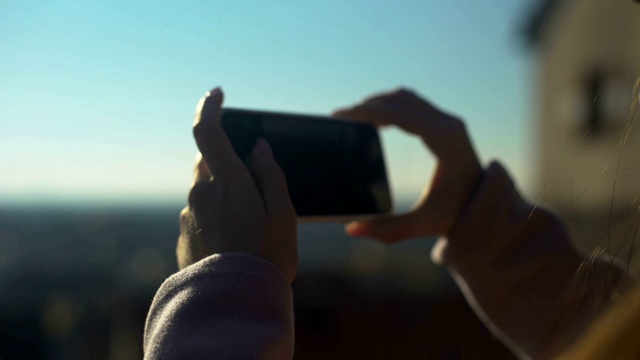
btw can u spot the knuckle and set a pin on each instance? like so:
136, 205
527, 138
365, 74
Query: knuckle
185, 215
188, 224
207, 130
199, 129
404, 92
457, 125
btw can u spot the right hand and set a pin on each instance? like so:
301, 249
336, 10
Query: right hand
234, 210
457, 173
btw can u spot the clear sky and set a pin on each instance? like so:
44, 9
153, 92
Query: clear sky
97, 97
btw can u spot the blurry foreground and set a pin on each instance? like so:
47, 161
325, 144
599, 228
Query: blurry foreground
76, 283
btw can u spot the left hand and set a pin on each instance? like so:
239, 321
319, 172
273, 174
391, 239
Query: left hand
457, 173
231, 209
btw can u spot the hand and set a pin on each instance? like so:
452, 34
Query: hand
457, 173
231, 209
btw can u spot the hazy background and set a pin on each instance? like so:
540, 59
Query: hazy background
96, 154
97, 98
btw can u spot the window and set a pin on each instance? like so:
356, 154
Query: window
608, 100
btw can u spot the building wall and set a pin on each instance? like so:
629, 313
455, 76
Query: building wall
585, 174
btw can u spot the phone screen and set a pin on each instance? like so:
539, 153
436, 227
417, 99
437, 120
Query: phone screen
333, 167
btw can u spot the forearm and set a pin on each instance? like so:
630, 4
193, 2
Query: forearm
228, 305
521, 273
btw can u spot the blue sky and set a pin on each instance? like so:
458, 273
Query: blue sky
97, 98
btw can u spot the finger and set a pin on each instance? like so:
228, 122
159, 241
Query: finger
403, 108
374, 114
213, 143
201, 170
392, 228
444, 134
388, 114
398, 97
270, 179
383, 114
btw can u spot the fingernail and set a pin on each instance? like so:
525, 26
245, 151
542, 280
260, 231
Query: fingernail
211, 101
263, 148
214, 91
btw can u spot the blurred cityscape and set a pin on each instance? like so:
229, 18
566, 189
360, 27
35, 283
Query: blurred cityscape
76, 283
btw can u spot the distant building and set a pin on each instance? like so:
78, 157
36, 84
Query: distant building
588, 154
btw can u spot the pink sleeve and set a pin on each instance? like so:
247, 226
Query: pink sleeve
519, 271
228, 305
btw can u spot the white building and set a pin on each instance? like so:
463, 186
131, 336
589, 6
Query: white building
588, 160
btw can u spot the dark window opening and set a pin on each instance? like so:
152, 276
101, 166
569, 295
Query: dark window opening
595, 100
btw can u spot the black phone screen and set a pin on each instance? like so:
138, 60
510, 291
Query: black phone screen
333, 167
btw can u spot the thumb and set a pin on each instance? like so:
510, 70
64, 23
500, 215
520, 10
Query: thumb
270, 179
392, 228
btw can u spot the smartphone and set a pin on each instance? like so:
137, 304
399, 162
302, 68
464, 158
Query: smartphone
335, 169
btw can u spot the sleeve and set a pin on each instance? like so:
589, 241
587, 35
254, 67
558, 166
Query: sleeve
518, 270
226, 306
